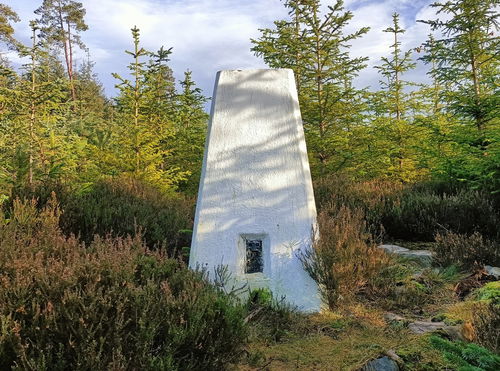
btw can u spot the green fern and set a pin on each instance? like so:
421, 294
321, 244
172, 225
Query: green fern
466, 357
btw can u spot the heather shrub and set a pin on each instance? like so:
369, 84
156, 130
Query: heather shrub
113, 304
466, 250
419, 213
412, 212
120, 207
344, 259
372, 198
486, 323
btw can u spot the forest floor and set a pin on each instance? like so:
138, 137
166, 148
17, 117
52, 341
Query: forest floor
346, 342
362, 330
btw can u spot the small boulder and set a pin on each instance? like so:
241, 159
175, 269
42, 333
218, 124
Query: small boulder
422, 327
381, 364
423, 257
393, 249
393, 317
492, 271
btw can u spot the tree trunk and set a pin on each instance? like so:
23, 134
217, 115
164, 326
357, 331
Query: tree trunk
32, 112
71, 75
67, 53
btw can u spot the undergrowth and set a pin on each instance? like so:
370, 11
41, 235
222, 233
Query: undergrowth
413, 212
344, 259
113, 304
119, 207
466, 356
466, 250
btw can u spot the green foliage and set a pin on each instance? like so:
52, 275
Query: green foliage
466, 62
61, 23
372, 197
7, 15
56, 125
113, 304
143, 126
125, 206
466, 357
466, 56
412, 212
188, 143
490, 291
396, 130
418, 214
120, 207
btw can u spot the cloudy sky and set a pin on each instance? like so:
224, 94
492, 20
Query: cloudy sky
212, 35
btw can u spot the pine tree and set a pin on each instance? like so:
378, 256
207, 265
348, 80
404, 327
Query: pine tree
7, 15
467, 57
62, 21
187, 146
400, 136
159, 93
139, 146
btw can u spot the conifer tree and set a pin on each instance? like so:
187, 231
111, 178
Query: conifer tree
139, 139
159, 93
400, 136
61, 22
467, 57
7, 16
190, 130
7, 74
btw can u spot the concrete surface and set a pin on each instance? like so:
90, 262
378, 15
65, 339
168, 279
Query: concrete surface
256, 183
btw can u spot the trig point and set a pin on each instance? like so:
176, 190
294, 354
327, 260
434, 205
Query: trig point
255, 206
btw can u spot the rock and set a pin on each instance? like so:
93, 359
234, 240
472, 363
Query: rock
392, 355
423, 257
393, 249
422, 327
392, 317
381, 364
455, 332
492, 271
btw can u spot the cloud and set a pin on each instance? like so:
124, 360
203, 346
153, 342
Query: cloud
206, 35
210, 35
376, 44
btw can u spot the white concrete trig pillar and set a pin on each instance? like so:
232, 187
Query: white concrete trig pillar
255, 205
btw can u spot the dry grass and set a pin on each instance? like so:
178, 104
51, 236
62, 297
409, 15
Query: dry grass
362, 335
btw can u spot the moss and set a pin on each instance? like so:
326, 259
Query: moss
490, 291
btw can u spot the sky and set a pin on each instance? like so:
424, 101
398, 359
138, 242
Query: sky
212, 35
